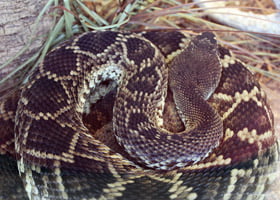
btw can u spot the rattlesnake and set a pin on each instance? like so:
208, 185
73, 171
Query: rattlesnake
227, 150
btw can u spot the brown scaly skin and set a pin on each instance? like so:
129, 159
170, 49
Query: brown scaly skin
240, 168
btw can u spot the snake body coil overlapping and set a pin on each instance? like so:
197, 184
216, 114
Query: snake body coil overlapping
187, 121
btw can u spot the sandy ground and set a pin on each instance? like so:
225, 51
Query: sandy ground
272, 89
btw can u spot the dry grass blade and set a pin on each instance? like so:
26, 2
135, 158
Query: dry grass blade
79, 16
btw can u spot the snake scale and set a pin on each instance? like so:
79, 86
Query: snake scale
150, 115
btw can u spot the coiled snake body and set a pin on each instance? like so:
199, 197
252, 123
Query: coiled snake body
212, 137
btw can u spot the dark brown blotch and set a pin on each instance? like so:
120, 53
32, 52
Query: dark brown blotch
138, 50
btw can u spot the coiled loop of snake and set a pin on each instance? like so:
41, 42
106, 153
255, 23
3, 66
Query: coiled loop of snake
49, 123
